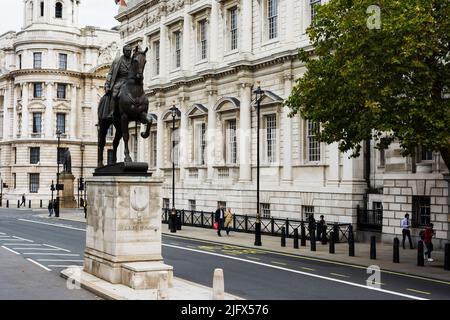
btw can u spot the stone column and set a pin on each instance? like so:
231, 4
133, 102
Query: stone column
287, 131
49, 115
15, 124
160, 143
245, 145
290, 5
213, 30
73, 111
187, 27
25, 98
246, 34
183, 149
211, 132
163, 48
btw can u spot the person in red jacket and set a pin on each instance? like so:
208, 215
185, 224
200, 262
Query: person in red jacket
427, 236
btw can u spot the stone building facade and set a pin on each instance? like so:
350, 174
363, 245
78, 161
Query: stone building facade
207, 57
52, 75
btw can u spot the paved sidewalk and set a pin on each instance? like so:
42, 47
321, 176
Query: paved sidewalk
407, 265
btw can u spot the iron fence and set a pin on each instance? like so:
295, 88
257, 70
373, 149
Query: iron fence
369, 220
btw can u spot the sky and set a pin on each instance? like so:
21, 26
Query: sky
99, 13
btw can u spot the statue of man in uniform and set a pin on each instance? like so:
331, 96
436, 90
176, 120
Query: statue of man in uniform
117, 76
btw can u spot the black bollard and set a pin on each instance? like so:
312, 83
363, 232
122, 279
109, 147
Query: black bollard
40, 204
331, 242
7, 203
336, 232
373, 248
29, 204
18, 203
283, 236
324, 236
296, 238
420, 257
447, 257
351, 242
396, 257
302, 235
312, 237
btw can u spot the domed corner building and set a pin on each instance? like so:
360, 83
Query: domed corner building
52, 75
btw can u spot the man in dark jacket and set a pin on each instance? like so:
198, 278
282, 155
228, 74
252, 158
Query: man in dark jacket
219, 217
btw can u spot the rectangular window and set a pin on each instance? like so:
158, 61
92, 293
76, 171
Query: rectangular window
37, 122
421, 215
61, 122
177, 45
156, 47
271, 137
110, 156
35, 155
192, 205
203, 39
153, 148
200, 145
313, 142
20, 61
60, 155
34, 182
61, 91
314, 4
272, 16
14, 153
37, 92
233, 22
307, 212
166, 203
426, 155
37, 60
231, 150
63, 61
382, 157
14, 180
265, 210
175, 140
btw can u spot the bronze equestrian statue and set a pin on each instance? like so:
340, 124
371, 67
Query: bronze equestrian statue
123, 102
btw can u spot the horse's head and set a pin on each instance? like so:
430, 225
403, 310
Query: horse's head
138, 61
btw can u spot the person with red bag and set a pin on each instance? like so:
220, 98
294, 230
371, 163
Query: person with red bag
427, 236
218, 219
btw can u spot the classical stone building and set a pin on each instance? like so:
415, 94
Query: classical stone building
51, 77
206, 57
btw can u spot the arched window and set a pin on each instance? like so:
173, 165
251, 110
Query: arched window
42, 8
58, 10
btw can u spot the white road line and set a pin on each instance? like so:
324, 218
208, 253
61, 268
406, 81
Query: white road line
19, 238
52, 254
22, 244
60, 260
47, 245
45, 249
38, 264
63, 265
52, 224
15, 252
300, 272
11, 240
2, 233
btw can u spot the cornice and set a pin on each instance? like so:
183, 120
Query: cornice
68, 73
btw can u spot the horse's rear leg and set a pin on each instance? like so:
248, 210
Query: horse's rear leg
116, 142
101, 143
125, 134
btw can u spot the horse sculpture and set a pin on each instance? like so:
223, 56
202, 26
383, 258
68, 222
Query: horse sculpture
132, 106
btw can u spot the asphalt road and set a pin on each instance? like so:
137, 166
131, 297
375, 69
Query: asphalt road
249, 273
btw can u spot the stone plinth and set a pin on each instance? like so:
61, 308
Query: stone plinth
67, 199
123, 234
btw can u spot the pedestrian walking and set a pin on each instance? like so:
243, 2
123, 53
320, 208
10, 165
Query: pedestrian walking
228, 220
311, 223
321, 228
50, 208
406, 225
219, 217
23, 200
85, 208
427, 239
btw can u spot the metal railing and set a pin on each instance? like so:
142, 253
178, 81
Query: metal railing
246, 223
369, 220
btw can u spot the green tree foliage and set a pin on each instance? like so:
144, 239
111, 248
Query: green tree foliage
385, 83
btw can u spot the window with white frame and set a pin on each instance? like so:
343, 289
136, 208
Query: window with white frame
37, 90
61, 122
34, 182
270, 122
177, 48
153, 148
156, 58
35, 155
37, 60
231, 146
265, 210
61, 91
63, 61
233, 28
37, 122
313, 5
272, 18
313, 142
200, 143
59, 10
202, 39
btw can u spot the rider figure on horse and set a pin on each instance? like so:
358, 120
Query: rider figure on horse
117, 76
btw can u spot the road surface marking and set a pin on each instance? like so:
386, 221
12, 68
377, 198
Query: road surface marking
38, 264
27, 240
46, 249
60, 260
63, 265
192, 247
47, 245
22, 244
52, 254
253, 258
10, 240
276, 262
309, 269
2, 233
322, 260
52, 224
303, 273
418, 291
339, 275
10, 250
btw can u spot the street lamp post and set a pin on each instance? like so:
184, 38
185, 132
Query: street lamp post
258, 93
173, 216
58, 134
81, 184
